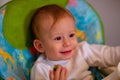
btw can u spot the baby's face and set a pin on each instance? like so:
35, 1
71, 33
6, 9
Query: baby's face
60, 42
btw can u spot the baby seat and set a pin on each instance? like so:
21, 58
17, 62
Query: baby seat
16, 52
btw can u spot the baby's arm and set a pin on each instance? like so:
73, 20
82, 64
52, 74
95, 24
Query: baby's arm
114, 75
58, 73
101, 55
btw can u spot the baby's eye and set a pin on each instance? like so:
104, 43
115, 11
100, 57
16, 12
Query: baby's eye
72, 35
58, 38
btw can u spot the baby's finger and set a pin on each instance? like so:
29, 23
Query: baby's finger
63, 75
51, 75
57, 73
66, 73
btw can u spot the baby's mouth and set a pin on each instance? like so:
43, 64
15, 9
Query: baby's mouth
66, 52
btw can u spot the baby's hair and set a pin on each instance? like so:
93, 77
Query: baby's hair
44, 14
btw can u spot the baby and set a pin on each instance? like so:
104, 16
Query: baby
55, 38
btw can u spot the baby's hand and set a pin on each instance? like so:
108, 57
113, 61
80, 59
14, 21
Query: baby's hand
58, 73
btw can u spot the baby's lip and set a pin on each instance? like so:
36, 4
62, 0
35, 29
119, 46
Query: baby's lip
66, 52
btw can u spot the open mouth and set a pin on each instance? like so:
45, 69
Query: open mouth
66, 52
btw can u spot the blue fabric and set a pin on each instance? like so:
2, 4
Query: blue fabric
95, 72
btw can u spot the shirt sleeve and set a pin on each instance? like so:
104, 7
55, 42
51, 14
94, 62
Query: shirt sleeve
114, 75
100, 55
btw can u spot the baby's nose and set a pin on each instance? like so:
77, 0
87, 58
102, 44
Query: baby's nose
66, 42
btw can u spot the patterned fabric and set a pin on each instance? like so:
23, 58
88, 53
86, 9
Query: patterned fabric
16, 52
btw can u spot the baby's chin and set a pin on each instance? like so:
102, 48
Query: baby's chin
71, 55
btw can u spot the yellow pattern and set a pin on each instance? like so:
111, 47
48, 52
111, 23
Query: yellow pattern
3, 12
21, 56
98, 35
81, 34
10, 78
6, 56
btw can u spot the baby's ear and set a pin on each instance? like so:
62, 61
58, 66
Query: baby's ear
38, 45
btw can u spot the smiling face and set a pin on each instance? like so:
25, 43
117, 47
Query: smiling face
60, 42
54, 30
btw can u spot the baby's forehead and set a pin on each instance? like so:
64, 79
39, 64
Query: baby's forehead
48, 25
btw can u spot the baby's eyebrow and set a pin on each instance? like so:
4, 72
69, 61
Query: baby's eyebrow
59, 33
72, 31
55, 34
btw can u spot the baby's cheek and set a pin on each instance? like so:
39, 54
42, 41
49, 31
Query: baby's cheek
76, 44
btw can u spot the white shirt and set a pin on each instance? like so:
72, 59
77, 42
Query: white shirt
87, 55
